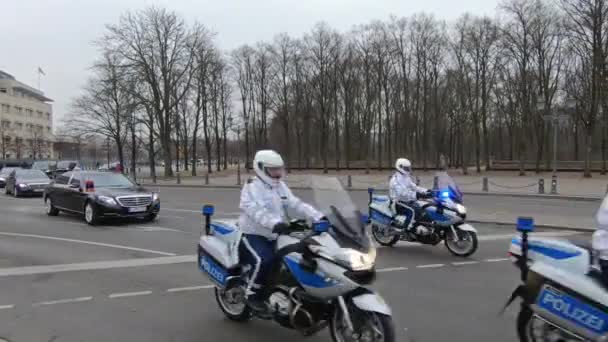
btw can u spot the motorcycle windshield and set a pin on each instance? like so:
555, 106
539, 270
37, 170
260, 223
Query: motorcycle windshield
347, 225
447, 187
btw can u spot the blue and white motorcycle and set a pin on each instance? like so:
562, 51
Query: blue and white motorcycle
443, 215
320, 276
563, 296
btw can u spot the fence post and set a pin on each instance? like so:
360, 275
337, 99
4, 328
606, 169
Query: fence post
435, 182
349, 181
484, 184
554, 185
417, 180
238, 176
206, 178
179, 178
541, 186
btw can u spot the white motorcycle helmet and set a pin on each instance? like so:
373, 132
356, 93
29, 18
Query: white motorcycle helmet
403, 166
269, 166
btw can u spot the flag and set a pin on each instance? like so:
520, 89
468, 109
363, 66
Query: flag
40, 71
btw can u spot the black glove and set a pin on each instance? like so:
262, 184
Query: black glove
281, 228
429, 193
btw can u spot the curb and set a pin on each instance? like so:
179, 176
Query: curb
475, 193
537, 225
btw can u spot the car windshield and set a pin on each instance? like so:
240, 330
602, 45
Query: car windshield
7, 171
41, 165
335, 202
109, 180
66, 164
30, 174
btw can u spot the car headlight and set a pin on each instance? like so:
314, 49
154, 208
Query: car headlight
21, 185
356, 260
461, 209
107, 200
2, 179
155, 197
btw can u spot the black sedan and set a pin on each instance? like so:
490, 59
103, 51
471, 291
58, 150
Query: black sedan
22, 182
4, 173
99, 195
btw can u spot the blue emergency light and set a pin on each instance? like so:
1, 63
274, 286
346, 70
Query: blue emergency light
321, 226
370, 190
208, 210
525, 224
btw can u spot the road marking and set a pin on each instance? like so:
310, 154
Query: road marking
430, 266
129, 294
496, 259
184, 210
64, 301
391, 269
155, 229
93, 243
172, 216
5, 307
98, 265
461, 263
190, 288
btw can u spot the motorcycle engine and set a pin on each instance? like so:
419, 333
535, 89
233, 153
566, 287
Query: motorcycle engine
280, 303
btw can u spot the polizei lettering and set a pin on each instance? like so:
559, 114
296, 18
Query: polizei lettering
210, 267
571, 311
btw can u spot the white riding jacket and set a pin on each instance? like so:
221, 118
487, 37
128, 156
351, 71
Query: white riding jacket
403, 189
263, 206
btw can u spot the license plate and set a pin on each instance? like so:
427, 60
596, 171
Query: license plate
38, 190
215, 271
573, 310
137, 209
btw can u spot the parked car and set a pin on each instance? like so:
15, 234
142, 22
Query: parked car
98, 195
4, 173
22, 182
46, 166
64, 166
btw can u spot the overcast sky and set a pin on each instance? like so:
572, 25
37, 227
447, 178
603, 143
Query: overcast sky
57, 35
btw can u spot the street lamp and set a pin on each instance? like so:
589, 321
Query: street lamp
555, 118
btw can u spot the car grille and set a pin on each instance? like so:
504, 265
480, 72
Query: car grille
38, 186
135, 201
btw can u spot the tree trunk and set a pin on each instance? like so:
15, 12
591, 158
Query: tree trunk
151, 157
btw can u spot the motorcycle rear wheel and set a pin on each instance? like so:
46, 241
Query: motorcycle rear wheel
234, 308
383, 239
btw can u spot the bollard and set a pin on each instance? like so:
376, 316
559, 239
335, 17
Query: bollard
206, 179
541, 186
179, 178
349, 181
417, 180
484, 184
238, 176
435, 182
554, 185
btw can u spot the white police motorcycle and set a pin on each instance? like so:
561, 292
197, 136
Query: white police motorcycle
563, 296
320, 276
443, 215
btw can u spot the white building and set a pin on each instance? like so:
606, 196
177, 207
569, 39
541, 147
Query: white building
26, 121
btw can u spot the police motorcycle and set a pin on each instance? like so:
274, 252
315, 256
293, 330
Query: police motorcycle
443, 216
320, 276
562, 294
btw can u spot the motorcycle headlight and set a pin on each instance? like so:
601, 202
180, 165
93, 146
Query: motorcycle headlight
356, 260
461, 209
107, 200
155, 197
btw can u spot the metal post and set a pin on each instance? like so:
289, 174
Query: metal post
179, 178
206, 178
554, 185
435, 182
417, 180
555, 125
349, 181
484, 186
541, 186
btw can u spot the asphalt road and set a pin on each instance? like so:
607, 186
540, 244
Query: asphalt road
65, 281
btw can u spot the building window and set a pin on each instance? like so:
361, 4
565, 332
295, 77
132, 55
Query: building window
48, 129
19, 125
39, 114
29, 112
3, 90
5, 108
6, 124
48, 116
19, 110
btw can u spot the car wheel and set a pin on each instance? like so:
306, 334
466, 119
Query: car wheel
90, 214
51, 210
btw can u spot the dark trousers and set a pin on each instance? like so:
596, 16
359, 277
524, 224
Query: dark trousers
406, 209
258, 252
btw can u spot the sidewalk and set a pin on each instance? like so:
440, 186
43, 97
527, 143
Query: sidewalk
499, 183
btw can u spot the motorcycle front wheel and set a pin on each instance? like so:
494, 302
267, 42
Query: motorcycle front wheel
231, 301
463, 245
369, 326
382, 238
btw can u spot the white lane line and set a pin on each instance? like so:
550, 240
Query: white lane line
496, 259
155, 229
64, 301
190, 288
184, 210
172, 216
5, 307
430, 266
97, 265
93, 243
391, 269
129, 294
461, 263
